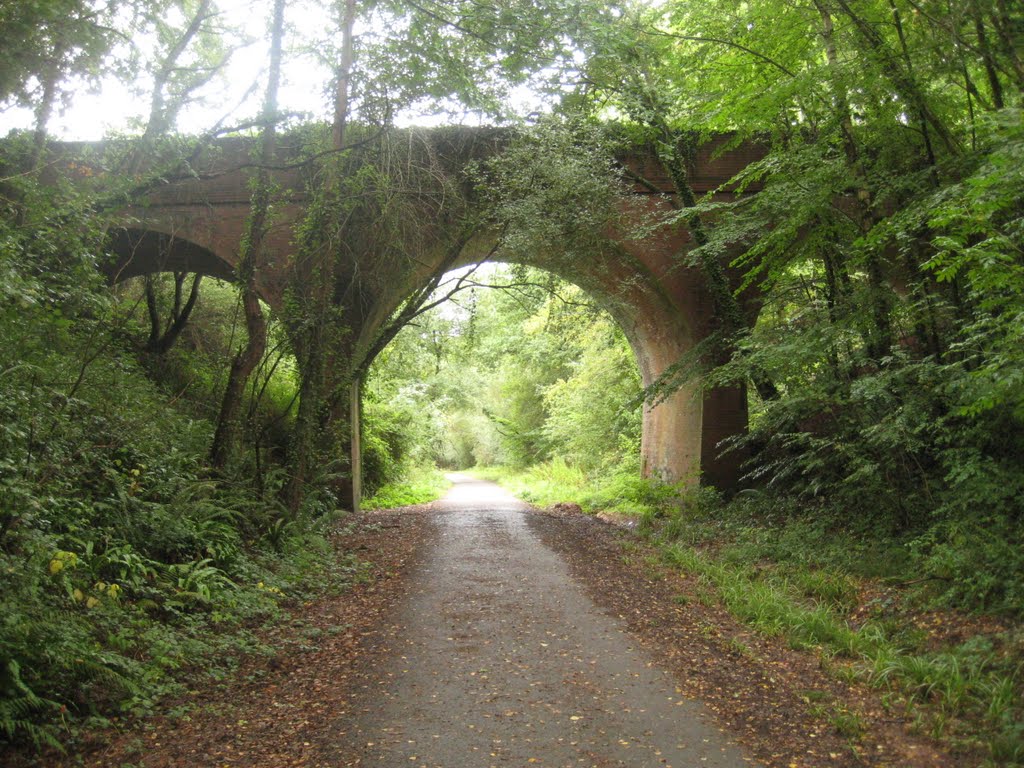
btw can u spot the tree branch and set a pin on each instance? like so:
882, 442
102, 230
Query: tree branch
729, 43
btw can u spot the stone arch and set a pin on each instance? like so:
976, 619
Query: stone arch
139, 251
199, 223
661, 310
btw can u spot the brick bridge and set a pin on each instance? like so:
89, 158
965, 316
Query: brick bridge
664, 308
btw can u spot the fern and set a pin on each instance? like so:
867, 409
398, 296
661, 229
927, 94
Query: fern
19, 706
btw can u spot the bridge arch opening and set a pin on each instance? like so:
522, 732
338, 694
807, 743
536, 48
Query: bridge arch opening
580, 223
139, 252
671, 434
518, 368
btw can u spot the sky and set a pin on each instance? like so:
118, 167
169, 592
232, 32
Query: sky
93, 114
112, 107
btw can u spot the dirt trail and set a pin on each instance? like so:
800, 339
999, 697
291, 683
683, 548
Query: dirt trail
498, 658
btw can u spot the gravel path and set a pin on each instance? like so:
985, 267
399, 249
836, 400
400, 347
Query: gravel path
488, 634
498, 658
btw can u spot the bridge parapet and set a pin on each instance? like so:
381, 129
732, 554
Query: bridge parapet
712, 165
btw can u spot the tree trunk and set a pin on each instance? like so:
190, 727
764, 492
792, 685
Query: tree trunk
1005, 26
153, 310
315, 412
898, 22
994, 84
307, 422
226, 435
161, 115
902, 79
878, 337
44, 110
161, 340
343, 93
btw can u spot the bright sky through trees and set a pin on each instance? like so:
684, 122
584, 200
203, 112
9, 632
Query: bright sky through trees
93, 110
114, 106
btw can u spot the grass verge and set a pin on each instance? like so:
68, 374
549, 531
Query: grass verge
420, 486
621, 493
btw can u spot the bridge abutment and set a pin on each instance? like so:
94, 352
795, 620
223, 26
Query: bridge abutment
725, 415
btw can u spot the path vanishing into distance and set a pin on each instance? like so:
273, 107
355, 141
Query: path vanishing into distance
484, 632
498, 657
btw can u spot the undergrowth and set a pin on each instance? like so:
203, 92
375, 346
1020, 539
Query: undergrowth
126, 567
826, 584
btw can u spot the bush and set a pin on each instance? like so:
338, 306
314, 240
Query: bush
976, 564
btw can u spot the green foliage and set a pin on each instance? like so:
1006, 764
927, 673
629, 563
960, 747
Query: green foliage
554, 194
881, 253
518, 375
974, 561
193, 371
123, 567
20, 709
622, 492
625, 492
411, 57
543, 484
71, 36
591, 418
800, 576
978, 227
918, 439
884, 241
397, 436
419, 486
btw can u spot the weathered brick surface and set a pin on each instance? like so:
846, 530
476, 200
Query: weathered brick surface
196, 222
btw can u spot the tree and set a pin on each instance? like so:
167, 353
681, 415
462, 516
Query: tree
881, 122
524, 368
162, 335
252, 247
46, 43
188, 58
